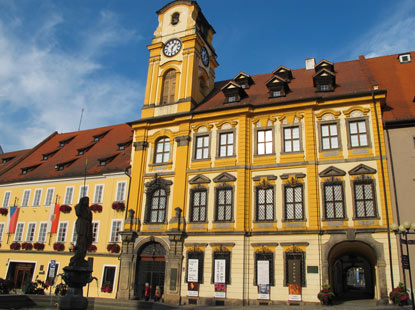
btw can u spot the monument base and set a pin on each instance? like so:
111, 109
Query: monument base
76, 278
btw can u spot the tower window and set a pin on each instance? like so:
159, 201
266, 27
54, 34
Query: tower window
169, 87
175, 18
404, 58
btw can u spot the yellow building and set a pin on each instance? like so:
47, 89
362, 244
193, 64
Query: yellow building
42, 186
259, 189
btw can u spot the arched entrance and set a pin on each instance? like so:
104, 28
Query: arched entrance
150, 268
352, 270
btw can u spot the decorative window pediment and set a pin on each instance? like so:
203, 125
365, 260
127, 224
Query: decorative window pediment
224, 177
324, 80
199, 179
284, 73
244, 80
157, 183
324, 64
233, 92
332, 172
277, 86
362, 169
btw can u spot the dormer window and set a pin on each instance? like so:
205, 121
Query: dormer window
100, 136
244, 80
6, 159
105, 161
62, 166
277, 86
62, 143
405, 58
324, 81
284, 73
25, 170
46, 156
325, 64
233, 92
83, 150
124, 145
175, 18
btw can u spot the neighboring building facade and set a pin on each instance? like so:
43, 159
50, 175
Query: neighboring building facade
40, 187
396, 74
259, 189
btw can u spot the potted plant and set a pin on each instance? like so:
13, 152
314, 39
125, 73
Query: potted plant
399, 295
39, 246
118, 206
92, 248
27, 246
106, 288
15, 246
65, 208
4, 211
113, 248
96, 208
326, 295
57, 246
60, 289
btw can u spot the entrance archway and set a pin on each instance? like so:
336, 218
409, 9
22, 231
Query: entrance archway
352, 270
150, 268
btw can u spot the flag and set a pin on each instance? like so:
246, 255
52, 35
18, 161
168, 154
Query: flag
54, 219
14, 214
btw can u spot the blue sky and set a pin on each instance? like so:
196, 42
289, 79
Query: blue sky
58, 57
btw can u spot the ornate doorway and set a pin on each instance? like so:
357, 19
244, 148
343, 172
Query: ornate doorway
20, 273
150, 268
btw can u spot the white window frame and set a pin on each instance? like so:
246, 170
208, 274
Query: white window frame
65, 201
66, 232
2, 227
7, 195
102, 193
25, 202
28, 231
97, 233
115, 275
21, 233
80, 191
266, 142
45, 224
118, 238
46, 204
116, 192
37, 190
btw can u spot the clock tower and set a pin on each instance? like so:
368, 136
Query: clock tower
182, 62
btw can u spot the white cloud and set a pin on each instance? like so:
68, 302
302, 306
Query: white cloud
394, 33
43, 87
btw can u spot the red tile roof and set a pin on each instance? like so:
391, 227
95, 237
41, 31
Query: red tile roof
351, 78
105, 147
8, 160
399, 80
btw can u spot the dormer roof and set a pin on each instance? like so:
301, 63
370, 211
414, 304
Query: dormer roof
324, 64
283, 72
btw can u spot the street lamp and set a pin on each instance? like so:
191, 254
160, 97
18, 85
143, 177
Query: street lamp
406, 229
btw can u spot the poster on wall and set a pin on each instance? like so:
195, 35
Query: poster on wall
193, 289
263, 279
220, 271
220, 290
263, 291
294, 292
193, 270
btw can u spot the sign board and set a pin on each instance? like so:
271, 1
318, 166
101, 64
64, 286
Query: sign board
220, 290
193, 270
262, 272
405, 261
193, 289
220, 271
52, 268
294, 292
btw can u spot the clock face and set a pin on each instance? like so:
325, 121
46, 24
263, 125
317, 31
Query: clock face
172, 47
205, 56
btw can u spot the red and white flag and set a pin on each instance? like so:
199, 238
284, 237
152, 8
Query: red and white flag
54, 219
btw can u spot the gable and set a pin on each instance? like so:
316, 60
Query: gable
362, 169
332, 172
199, 179
224, 177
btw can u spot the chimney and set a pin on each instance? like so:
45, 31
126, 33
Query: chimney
310, 63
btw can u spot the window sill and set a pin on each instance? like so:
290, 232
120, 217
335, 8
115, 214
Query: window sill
167, 163
201, 159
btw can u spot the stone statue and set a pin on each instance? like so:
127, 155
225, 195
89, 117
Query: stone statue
83, 228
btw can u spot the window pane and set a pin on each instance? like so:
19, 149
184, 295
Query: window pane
268, 135
353, 127
334, 143
230, 150
324, 130
296, 132
222, 151
296, 146
261, 149
261, 136
354, 141
363, 140
362, 126
288, 146
223, 139
205, 153
230, 138
326, 143
268, 147
287, 133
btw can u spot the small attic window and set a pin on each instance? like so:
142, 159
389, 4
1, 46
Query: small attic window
6, 159
46, 156
276, 93
324, 81
105, 161
62, 143
25, 170
124, 145
232, 99
233, 92
324, 87
405, 58
62, 166
100, 136
175, 18
277, 86
244, 80
83, 150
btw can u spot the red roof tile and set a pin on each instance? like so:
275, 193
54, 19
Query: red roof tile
106, 147
399, 80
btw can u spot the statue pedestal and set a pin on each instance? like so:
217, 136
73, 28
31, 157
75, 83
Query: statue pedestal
76, 278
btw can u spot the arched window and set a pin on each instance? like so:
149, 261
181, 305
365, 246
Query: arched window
162, 150
169, 87
175, 18
157, 196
